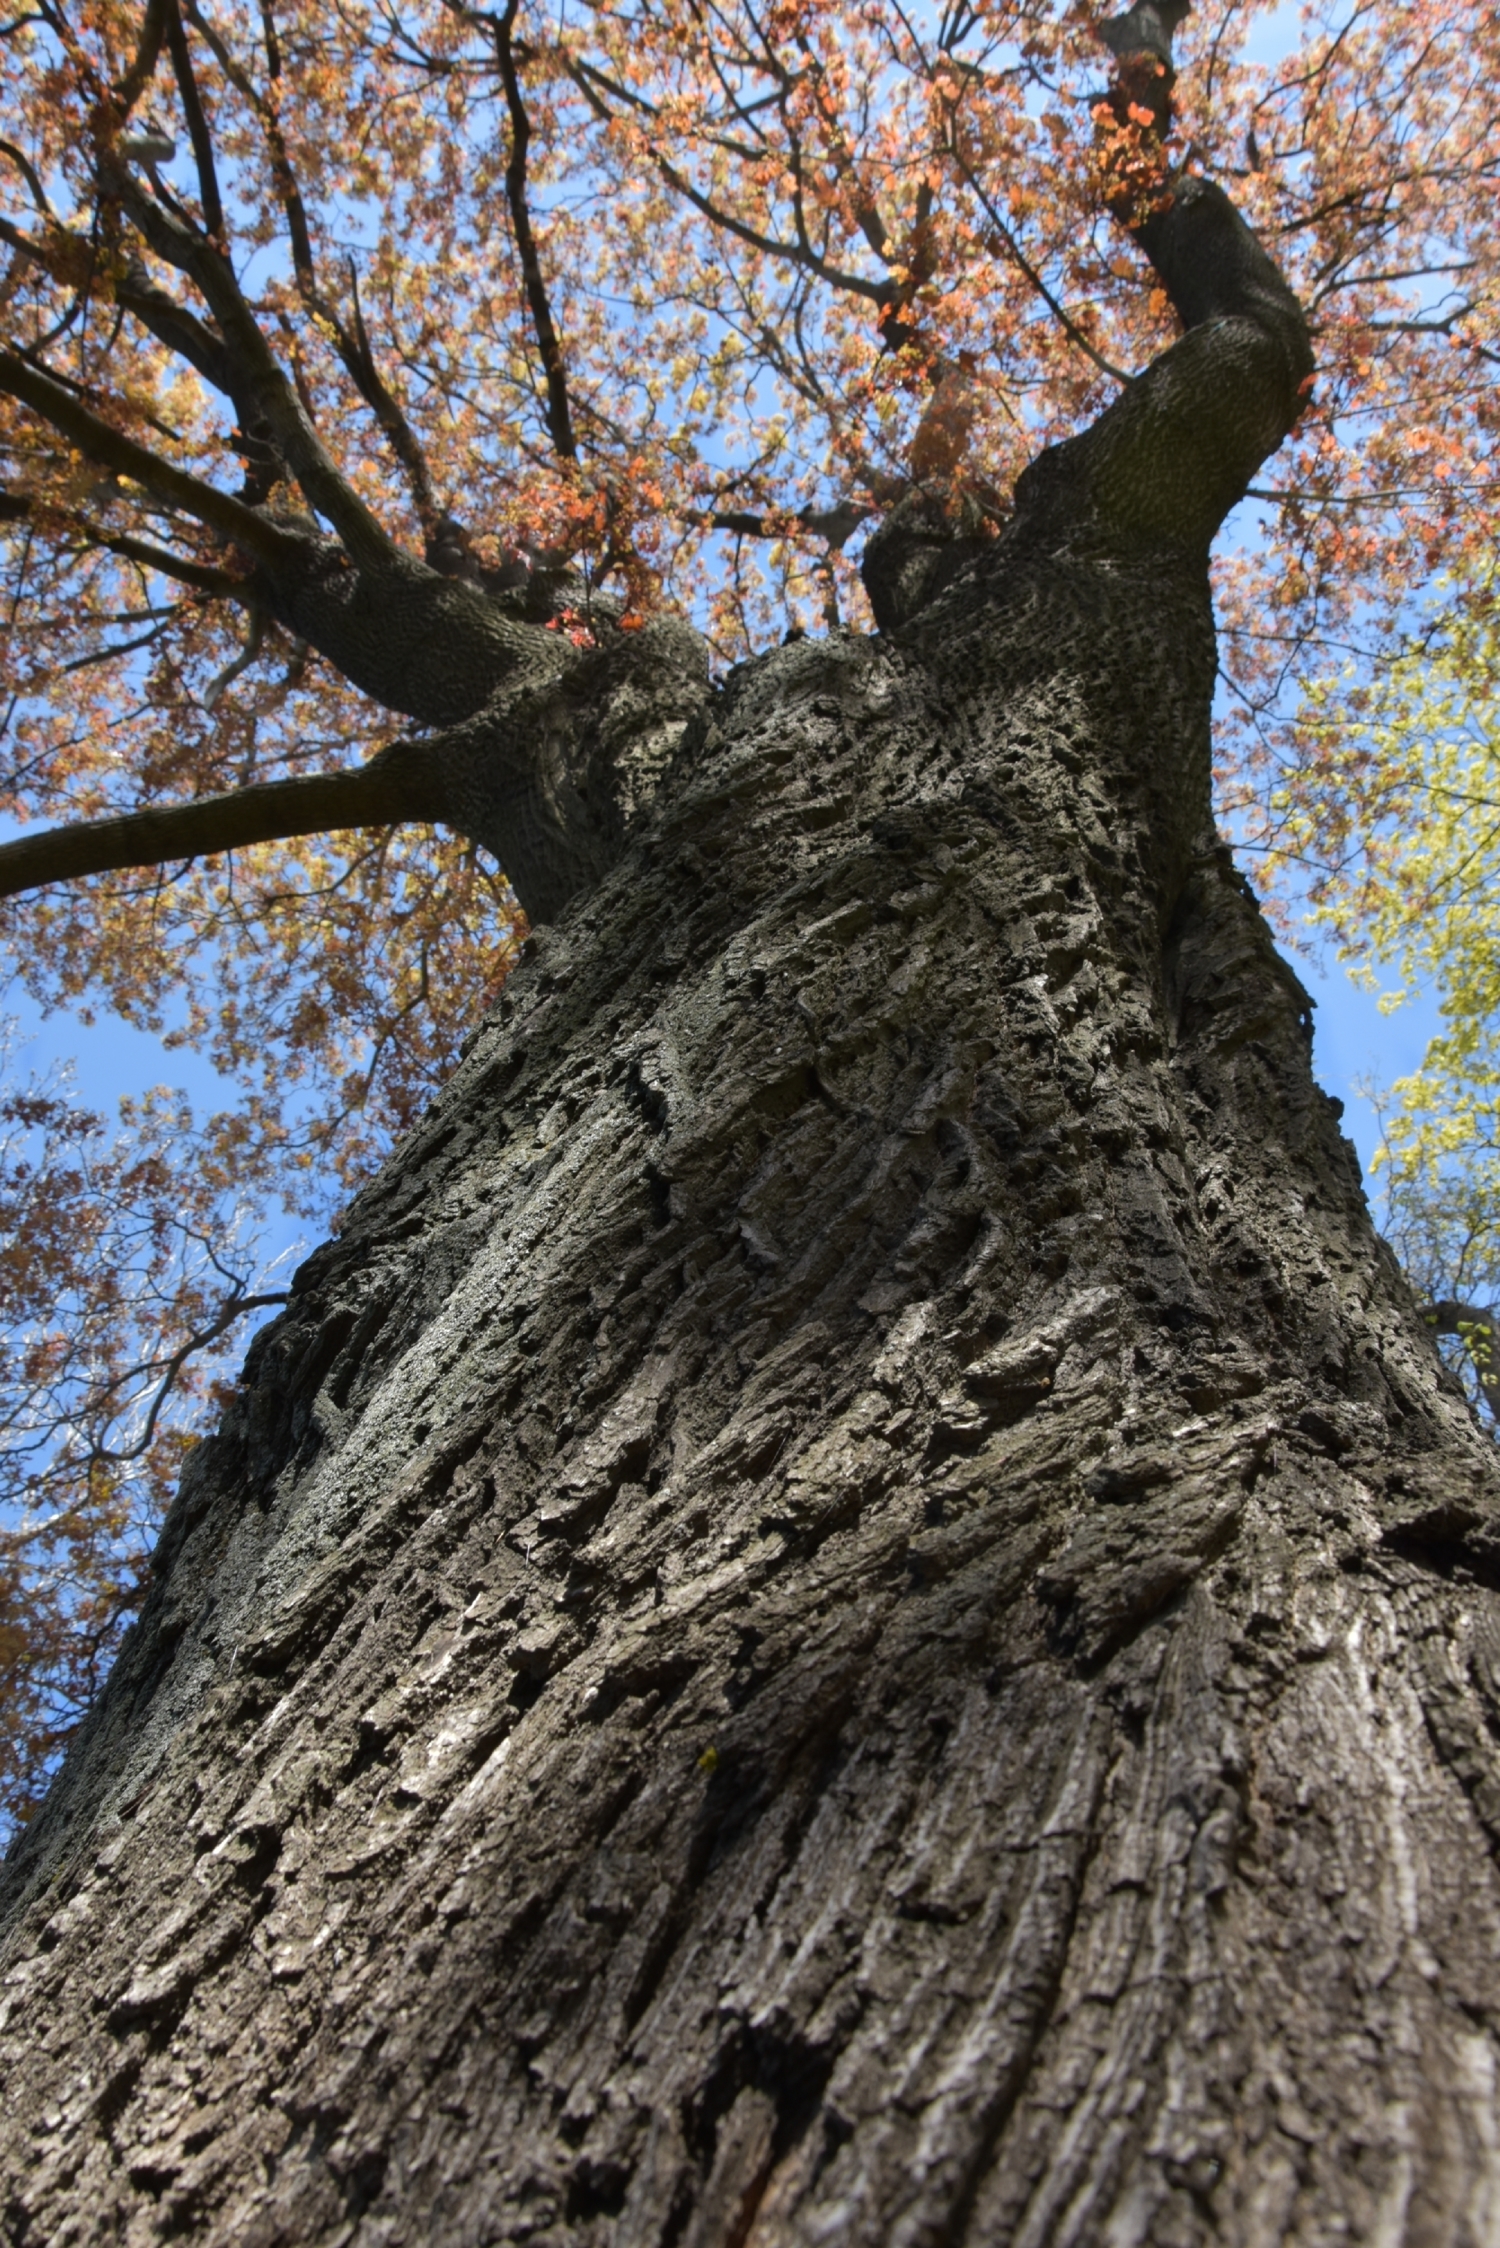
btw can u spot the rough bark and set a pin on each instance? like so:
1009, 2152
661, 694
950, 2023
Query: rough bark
853, 1606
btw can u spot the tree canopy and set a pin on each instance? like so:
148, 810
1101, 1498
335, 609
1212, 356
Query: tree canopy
337, 338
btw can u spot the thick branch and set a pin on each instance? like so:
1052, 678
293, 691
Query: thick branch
178, 328
392, 787
412, 638
112, 449
1178, 449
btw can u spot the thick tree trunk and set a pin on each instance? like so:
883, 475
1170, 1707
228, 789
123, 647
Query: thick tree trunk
853, 1607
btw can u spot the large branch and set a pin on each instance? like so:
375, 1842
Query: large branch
1179, 448
177, 327
391, 788
100, 442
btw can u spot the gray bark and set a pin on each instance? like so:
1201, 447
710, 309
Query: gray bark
853, 1606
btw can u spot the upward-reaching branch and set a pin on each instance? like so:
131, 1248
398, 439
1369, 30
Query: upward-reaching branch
1161, 467
559, 411
128, 90
197, 123
258, 374
1178, 449
350, 339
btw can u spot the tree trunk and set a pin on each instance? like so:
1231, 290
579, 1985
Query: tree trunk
853, 1607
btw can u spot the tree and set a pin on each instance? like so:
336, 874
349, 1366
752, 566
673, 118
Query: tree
630, 305
853, 1603
1396, 812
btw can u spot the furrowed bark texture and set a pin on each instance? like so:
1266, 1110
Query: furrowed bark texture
853, 1607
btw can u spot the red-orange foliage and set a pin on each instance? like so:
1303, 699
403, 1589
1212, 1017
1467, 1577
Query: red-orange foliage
682, 291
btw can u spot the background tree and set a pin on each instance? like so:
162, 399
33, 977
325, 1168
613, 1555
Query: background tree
633, 307
1395, 814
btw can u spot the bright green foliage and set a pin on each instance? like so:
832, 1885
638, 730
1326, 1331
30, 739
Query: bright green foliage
1400, 810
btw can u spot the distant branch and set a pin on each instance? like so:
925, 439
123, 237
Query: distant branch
559, 414
196, 574
835, 524
1013, 250
1478, 1329
589, 82
359, 359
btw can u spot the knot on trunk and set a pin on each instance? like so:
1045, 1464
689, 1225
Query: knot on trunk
929, 538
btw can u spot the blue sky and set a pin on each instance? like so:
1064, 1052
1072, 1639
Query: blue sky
1353, 1042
